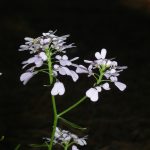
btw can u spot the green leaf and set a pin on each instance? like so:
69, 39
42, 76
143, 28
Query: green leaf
17, 147
2, 138
72, 124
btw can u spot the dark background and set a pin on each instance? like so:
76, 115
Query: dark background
118, 121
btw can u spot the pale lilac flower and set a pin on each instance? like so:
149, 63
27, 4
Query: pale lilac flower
25, 77
46, 40
58, 89
92, 93
37, 60
62, 69
110, 70
56, 44
63, 60
101, 55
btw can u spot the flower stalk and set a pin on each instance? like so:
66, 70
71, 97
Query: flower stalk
72, 106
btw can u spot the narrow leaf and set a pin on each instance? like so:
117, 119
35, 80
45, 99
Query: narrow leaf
72, 124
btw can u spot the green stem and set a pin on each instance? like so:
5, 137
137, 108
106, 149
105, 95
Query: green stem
49, 61
72, 106
54, 123
50, 69
101, 71
66, 147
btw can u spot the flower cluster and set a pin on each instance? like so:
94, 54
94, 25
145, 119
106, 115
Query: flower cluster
100, 68
63, 138
41, 57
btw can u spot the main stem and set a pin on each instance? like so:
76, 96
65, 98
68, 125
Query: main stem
50, 69
54, 123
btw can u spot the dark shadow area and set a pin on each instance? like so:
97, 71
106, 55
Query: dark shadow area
119, 120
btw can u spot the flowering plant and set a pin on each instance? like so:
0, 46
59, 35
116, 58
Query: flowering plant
49, 56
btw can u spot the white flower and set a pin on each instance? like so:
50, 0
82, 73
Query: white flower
43, 56
65, 71
25, 77
92, 93
101, 55
37, 60
63, 60
58, 89
0, 73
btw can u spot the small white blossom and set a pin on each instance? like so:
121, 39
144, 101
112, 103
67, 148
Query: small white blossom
92, 93
0, 73
58, 89
102, 54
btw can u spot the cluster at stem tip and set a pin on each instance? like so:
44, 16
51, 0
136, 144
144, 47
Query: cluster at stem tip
67, 139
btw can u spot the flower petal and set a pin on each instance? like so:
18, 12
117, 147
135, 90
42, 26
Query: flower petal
113, 79
43, 56
58, 57
98, 55
81, 69
58, 89
99, 89
74, 147
103, 53
25, 77
92, 93
121, 86
74, 75
106, 86
38, 62
65, 57
65, 62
